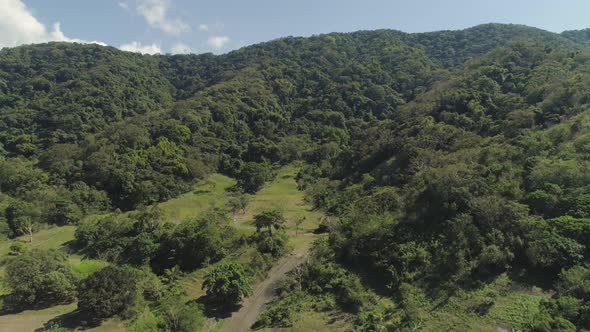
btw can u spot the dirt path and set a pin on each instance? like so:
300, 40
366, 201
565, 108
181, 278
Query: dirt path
263, 294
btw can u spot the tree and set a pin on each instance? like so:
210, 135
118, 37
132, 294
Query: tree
108, 292
274, 244
253, 176
269, 219
41, 277
298, 222
22, 217
227, 284
238, 203
575, 282
180, 316
65, 213
195, 243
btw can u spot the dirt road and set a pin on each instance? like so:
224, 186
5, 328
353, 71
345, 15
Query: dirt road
263, 294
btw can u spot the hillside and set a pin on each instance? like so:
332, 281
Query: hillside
449, 171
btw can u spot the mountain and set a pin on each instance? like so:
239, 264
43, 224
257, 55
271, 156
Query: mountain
447, 158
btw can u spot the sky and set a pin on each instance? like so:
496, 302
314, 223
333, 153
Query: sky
219, 26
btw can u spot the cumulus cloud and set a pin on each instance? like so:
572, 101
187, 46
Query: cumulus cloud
18, 26
203, 27
218, 42
181, 48
58, 35
137, 47
155, 13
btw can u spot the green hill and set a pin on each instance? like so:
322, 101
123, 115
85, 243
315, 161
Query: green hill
452, 167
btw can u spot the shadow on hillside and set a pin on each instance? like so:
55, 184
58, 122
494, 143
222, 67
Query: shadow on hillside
540, 279
75, 321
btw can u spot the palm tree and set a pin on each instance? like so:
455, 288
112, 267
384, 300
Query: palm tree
269, 220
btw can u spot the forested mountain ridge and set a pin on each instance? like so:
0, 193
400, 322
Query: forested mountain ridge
444, 159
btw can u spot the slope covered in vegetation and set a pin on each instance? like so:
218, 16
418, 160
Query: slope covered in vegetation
446, 161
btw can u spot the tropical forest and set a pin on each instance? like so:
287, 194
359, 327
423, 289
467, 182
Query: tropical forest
366, 181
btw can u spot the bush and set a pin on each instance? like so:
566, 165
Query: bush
110, 291
145, 322
18, 248
179, 316
281, 314
275, 244
330, 278
41, 277
227, 284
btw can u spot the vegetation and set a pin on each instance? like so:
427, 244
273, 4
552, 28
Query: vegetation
227, 284
108, 292
452, 168
40, 278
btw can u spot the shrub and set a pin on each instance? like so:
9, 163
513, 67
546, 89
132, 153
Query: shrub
39, 277
110, 291
227, 283
18, 248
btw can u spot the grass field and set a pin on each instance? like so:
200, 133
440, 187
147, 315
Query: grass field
501, 303
309, 320
282, 194
49, 238
207, 194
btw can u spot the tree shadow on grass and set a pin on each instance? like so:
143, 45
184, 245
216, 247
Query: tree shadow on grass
201, 191
74, 320
216, 310
11, 305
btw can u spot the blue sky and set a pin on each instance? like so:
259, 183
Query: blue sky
181, 26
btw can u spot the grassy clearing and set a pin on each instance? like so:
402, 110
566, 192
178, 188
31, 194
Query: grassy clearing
309, 320
207, 194
282, 194
501, 303
31, 320
88, 266
279, 194
49, 238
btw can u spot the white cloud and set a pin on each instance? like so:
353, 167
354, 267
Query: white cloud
58, 35
203, 27
218, 42
123, 5
181, 48
18, 26
137, 47
155, 12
